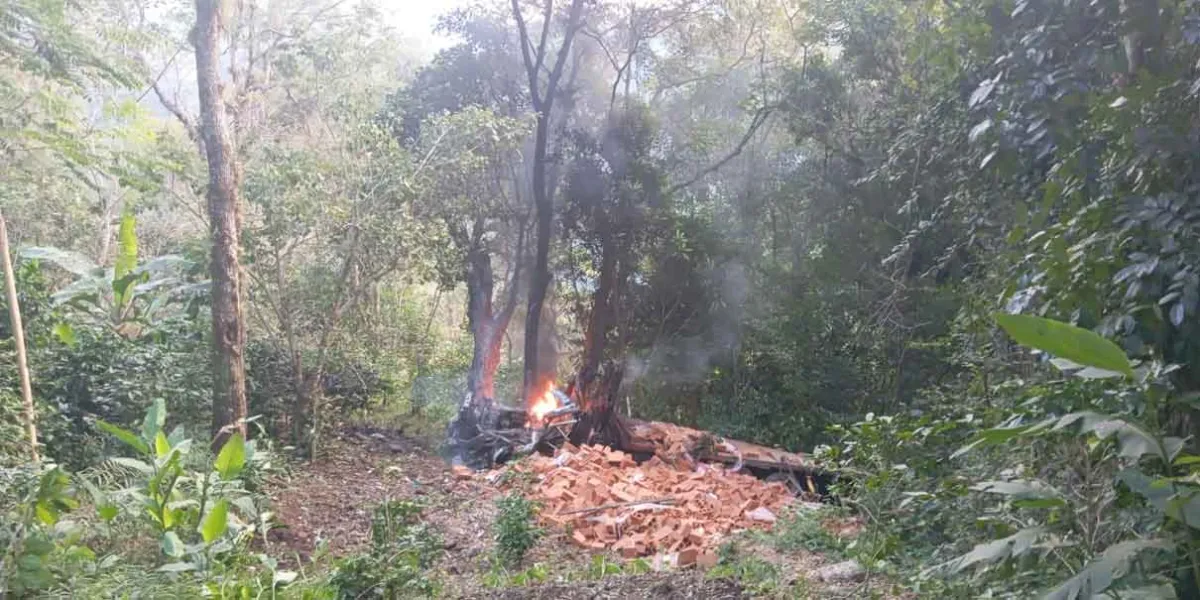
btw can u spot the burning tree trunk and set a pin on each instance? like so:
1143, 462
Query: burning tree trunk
487, 326
542, 98
599, 422
479, 411
598, 383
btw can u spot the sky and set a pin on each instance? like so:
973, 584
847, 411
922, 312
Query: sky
415, 19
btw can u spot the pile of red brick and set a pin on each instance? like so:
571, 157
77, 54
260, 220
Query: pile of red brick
682, 508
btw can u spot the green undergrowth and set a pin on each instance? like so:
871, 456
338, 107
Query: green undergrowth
403, 549
804, 529
599, 567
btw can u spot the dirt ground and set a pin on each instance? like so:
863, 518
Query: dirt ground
669, 586
328, 502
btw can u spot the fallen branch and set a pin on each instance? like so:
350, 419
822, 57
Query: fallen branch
593, 509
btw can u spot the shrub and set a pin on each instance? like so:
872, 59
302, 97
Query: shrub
402, 549
515, 530
39, 549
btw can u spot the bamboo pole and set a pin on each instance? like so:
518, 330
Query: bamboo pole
14, 311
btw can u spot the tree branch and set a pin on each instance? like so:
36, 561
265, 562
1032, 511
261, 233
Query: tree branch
530, 70
760, 117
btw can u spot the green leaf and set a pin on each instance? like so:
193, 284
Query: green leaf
132, 463
161, 445
1020, 489
177, 435
127, 247
125, 436
45, 513
65, 333
1187, 459
170, 517
996, 550
74, 262
1040, 503
232, 458
171, 544
1075, 344
1176, 502
156, 417
1098, 575
215, 522
107, 512
283, 577
1133, 441
177, 567
1161, 591
999, 435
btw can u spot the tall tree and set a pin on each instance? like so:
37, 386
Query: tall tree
228, 326
479, 198
542, 96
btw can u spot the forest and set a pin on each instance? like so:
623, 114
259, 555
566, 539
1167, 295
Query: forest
600, 299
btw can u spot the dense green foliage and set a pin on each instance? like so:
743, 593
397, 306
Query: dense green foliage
516, 532
953, 246
401, 549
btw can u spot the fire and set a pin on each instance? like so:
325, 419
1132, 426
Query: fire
542, 405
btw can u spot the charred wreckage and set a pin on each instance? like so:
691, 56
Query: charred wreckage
486, 434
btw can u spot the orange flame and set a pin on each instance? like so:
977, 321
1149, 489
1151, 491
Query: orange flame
541, 406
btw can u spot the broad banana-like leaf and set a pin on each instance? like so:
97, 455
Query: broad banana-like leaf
171, 544
156, 417
1075, 344
1018, 488
127, 247
73, 262
1134, 441
1180, 503
125, 436
1000, 435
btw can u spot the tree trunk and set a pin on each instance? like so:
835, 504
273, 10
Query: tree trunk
600, 423
543, 196
480, 384
18, 333
541, 268
600, 323
488, 327
481, 379
228, 327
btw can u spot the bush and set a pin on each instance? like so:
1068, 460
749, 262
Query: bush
39, 550
347, 386
516, 532
402, 549
102, 375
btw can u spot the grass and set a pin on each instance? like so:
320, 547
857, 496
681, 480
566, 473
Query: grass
759, 577
803, 529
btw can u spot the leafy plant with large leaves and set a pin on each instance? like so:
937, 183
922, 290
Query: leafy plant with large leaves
1121, 514
131, 297
198, 506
